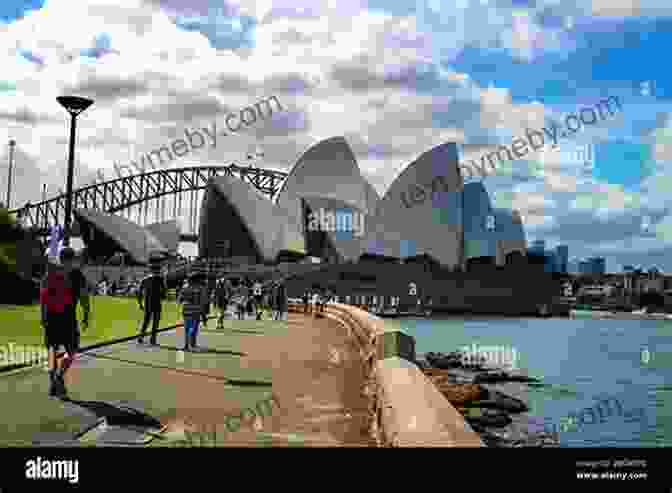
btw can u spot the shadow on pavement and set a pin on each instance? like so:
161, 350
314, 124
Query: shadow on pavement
204, 350
119, 415
249, 383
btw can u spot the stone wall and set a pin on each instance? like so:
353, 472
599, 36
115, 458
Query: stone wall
407, 408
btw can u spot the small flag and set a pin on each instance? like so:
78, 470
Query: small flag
55, 240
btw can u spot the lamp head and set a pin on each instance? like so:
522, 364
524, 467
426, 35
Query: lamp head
74, 104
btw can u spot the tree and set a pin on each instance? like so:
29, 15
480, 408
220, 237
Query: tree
9, 234
19, 258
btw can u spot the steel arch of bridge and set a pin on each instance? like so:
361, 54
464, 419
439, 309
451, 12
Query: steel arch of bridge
115, 195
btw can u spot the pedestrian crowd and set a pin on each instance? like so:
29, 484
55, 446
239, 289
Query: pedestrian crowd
64, 287
315, 299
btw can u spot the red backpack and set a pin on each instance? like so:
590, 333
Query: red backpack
56, 293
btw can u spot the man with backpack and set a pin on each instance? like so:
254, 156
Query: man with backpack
152, 290
63, 287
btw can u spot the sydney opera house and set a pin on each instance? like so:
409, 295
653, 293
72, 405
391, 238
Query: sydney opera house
426, 212
326, 212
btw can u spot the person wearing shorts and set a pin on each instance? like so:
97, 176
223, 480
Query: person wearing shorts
62, 289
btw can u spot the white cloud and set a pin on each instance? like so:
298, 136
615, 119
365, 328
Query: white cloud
338, 68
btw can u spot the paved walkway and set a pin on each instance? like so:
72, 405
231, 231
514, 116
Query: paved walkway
149, 396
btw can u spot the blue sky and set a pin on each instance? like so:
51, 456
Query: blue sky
394, 78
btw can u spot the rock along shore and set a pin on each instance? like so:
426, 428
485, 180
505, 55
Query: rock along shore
481, 394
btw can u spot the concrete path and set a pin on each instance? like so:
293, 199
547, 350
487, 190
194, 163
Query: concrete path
162, 396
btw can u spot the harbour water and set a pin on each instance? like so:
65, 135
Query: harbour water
579, 361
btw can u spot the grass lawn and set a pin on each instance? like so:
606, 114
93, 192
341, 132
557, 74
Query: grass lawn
111, 318
143, 379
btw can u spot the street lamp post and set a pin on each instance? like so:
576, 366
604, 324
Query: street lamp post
75, 106
12, 144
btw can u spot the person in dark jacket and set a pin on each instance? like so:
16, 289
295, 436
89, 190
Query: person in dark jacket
207, 294
306, 299
152, 292
280, 303
222, 294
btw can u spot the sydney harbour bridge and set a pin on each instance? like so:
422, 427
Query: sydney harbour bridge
150, 197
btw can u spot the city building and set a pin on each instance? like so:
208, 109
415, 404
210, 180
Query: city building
553, 260
573, 266
593, 266
562, 255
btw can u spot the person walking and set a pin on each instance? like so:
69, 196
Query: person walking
273, 300
222, 300
240, 305
258, 294
250, 298
238, 299
305, 299
281, 301
62, 289
315, 300
152, 291
205, 309
191, 299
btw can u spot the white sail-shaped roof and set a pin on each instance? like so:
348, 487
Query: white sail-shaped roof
421, 213
168, 233
329, 170
344, 227
234, 211
138, 242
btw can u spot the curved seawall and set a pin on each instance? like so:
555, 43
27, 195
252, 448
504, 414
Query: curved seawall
409, 410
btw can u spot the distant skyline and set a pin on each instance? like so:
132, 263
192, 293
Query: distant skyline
394, 78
